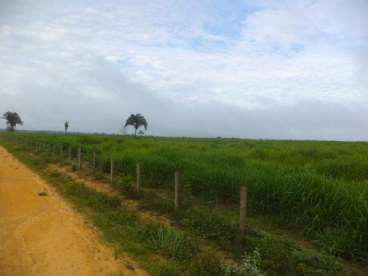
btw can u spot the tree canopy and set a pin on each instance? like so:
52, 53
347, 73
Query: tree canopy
12, 120
136, 121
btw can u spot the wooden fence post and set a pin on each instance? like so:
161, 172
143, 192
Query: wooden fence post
111, 170
70, 153
93, 160
177, 188
79, 158
138, 176
243, 208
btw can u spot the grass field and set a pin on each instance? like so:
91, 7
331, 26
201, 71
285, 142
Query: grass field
315, 192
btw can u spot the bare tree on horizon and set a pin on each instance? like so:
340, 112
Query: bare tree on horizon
66, 126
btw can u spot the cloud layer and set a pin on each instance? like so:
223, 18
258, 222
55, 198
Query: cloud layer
258, 69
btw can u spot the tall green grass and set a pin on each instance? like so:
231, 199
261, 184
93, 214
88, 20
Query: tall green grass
179, 250
320, 186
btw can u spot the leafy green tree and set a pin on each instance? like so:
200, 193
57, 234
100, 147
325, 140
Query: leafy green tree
136, 121
66, 126
12, 120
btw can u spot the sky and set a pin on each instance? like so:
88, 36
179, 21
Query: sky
286, 69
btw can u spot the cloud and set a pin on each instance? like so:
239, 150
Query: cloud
286, 23
284, 69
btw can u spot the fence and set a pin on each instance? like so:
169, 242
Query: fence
81, 158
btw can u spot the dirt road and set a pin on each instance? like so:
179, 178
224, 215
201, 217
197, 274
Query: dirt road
42, 235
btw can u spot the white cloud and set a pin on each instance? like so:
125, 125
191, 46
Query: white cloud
163, 57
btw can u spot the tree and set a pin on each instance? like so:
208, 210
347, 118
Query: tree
12, 120
136, 121
66, 126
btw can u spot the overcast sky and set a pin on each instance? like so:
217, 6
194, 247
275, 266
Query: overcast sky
294, 69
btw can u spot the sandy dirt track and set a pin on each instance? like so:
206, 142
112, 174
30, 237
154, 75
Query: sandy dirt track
42, 235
